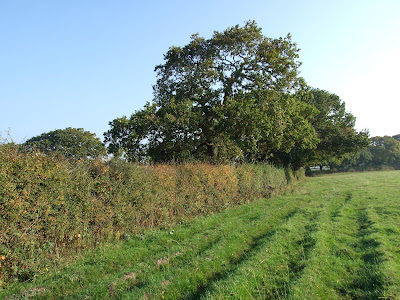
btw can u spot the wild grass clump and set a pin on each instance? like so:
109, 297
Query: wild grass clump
52, 208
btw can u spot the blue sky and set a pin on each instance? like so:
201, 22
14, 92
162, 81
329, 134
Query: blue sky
84, 63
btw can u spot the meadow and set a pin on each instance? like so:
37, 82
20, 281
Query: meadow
330, 237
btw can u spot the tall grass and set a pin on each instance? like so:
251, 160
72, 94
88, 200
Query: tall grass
52, 208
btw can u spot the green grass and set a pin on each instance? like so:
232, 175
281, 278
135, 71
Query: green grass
334, 237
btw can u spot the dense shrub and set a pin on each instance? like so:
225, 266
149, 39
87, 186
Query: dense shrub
52, 207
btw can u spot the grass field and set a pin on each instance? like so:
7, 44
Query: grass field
333, 237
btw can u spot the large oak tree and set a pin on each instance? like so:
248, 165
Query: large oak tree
233, 96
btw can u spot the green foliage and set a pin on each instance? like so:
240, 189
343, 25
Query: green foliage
337, 137
229, 98
335, 128
73, 143
53, 207
383, 152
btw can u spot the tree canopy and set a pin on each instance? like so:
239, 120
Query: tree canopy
235, 96
74, 143
335, 130
385, 150
229, 97
382, 152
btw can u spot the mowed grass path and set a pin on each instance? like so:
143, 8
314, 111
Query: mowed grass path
333, 237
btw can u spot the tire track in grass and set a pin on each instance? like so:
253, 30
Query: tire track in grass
295, 233
235, 263
293, 244
297, 264
382, 208
316, 280
217, 237
388, 235
336, 213
256, 243
369, 284
309, 240
351, 267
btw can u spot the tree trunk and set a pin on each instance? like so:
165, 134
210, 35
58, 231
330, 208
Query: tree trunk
211, 151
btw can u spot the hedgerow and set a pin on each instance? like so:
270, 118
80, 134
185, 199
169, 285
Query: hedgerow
52, 208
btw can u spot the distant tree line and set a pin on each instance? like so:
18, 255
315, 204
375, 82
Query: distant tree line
236, 97
382, 153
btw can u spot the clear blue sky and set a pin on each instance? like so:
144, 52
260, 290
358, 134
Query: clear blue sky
83, 63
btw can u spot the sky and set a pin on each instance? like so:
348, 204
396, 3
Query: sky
82, 64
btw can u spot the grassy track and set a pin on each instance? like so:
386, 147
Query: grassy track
335, 237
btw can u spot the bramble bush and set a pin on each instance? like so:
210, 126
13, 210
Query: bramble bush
51, 207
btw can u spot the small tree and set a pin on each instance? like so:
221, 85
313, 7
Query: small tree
74, 143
